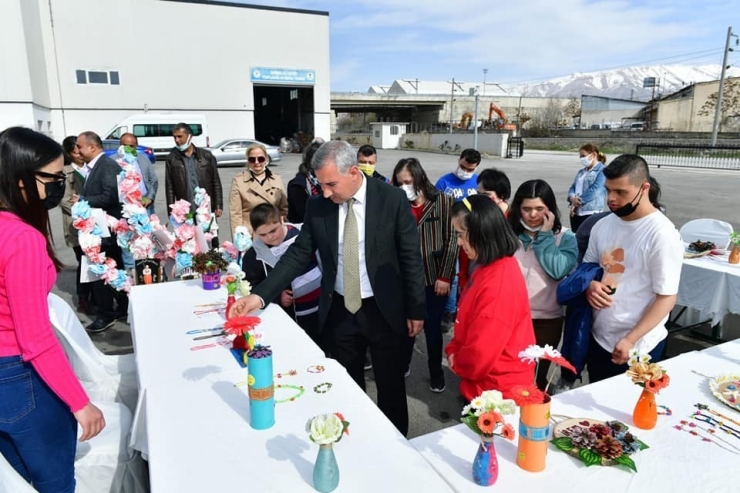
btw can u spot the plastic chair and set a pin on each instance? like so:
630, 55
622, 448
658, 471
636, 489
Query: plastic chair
714, 230
105, 378
11, 481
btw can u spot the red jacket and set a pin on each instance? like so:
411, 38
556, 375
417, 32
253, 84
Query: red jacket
493, 324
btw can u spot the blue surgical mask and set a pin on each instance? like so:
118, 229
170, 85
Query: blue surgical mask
528, 227
185, 146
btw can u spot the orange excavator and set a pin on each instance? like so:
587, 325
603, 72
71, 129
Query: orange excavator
467, 117
500, 122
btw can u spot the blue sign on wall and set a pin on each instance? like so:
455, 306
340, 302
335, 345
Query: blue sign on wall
283, 75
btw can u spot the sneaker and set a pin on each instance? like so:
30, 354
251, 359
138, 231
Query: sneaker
437, 385
368, 364
100, 325
408, 372
448, 321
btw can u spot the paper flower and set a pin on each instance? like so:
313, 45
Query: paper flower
241, 325
525, 395
81, 209
180, 211
650, 376
326, 429
508, 432
487, 423
245, 288
484, 414
532, 354
636, 357
242, 239
259, 352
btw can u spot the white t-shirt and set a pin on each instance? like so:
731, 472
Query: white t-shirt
642, 259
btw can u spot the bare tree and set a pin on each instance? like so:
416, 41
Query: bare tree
730, 111
545, 120
572, 107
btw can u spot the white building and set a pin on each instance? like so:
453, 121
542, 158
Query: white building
67, 66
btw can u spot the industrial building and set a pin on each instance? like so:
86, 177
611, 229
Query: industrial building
255, 72
682, 111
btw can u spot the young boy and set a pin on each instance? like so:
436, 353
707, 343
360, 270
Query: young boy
272, 237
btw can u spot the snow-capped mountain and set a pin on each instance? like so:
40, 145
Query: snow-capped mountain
625, 83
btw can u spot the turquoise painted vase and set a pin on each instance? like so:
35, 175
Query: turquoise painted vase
326, 470
485, 464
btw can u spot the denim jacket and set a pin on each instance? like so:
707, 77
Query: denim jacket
593, 195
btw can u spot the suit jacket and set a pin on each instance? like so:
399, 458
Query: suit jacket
175, 180
148, 176
392, 255
101, 186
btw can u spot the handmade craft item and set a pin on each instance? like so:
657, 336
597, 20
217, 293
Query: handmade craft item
325, 430
597, 443
652, 378
485, 417
261, 388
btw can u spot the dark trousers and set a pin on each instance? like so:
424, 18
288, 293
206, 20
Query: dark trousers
576, 221
105, 295
546, 331
310, 325
599, 361
38, 433
353, 334
433, 334
82, 289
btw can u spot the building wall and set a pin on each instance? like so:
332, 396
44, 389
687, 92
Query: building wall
15, 80
676, 114
170, 56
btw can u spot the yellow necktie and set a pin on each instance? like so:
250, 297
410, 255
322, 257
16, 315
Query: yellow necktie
351, 261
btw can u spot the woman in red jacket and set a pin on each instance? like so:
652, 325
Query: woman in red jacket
493, 318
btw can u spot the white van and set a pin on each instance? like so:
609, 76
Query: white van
155, 130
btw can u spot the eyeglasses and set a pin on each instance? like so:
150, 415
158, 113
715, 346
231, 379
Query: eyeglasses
260, 159
52, 176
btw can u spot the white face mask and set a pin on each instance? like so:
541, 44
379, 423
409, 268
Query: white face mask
464, 175
185, 146
528, 227
410, 192
585, 161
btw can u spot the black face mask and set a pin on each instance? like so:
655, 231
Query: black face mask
54, 193
629, 207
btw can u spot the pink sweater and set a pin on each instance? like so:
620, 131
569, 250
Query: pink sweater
27, 275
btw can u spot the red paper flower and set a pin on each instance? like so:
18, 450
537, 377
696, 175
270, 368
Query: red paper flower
341, 418
487, 423
652, 386
241, 325
559, 360
508, 432
527, 394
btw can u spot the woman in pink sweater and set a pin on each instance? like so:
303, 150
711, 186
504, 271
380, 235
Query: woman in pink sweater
41, 400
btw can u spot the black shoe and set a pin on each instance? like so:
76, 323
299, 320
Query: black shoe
100, 325
121, 316
368, 364
437, 385
448, 321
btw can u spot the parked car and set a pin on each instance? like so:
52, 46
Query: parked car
110, 147
234, 152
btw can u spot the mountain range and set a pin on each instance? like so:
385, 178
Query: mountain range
624, 83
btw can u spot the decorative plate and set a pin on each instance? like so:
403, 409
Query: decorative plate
692, 254
583, 437
726, 388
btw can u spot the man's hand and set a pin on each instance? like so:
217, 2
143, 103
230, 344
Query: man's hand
549, 222
91, 421
598, 295
244, 306
286, 298
441, 288
414, 327
621, 353
219, 212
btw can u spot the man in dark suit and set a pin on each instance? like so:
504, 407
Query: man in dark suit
101, 191
372, 285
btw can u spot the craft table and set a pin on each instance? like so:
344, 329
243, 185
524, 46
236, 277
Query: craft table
675, 462
710, 285
193, 422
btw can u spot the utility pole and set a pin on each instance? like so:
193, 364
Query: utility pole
452, 99
475, 122
718, 107
485, 72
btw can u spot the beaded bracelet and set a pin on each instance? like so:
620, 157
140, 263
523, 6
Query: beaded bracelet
291, 373
322, 388
316, 369
666, 410
299, 388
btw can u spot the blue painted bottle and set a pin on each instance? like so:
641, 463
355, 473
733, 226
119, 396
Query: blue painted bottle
485, 464
326, 470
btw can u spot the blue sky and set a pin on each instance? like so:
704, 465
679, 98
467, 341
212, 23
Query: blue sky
377, 41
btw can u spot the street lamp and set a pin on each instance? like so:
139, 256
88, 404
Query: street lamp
485, 71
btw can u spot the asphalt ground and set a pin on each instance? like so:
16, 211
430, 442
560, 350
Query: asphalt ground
687, 194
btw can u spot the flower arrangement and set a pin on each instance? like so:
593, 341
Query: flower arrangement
524, 395
327, 429
209, 262
735, 238
649, 376
597, 443
234, 280
203, 216
242, 327
484, 415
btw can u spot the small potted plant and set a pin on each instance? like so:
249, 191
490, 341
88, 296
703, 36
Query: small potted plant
734, 247
209, 265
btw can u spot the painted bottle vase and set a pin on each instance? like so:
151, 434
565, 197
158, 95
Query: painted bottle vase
485, 464
326, 470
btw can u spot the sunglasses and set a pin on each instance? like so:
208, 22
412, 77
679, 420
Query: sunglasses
52, 176
260, 159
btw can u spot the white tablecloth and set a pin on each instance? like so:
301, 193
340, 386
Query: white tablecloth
711, 286
675, 462
193, 423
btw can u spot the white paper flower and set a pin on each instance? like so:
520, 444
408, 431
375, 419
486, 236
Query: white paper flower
466, 410
636, 357
507, 406
189, 246
532, 354
88, 240
245, 288
550, 351
478, 402
325, 428
234, 269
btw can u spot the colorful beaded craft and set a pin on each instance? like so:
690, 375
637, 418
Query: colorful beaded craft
300, 390
322, 388
316, 369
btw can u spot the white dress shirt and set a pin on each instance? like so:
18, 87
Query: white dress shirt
89, 166
359, 209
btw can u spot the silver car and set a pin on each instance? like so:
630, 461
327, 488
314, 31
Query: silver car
234, 152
